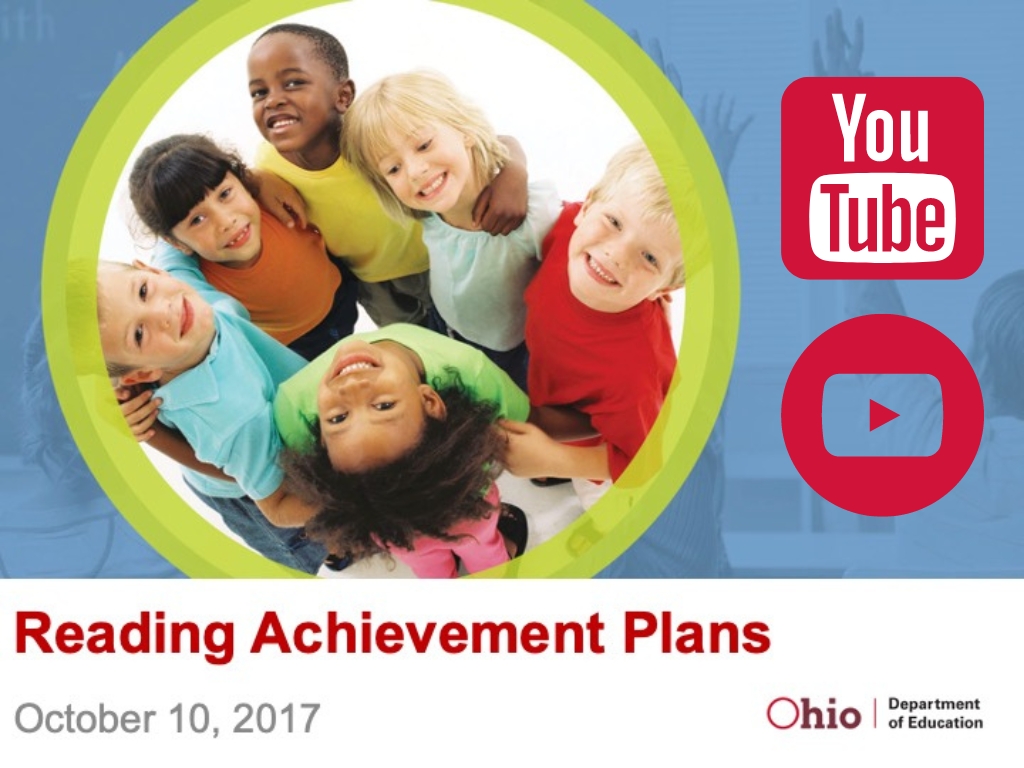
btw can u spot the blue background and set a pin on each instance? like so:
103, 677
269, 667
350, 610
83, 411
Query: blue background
744, 512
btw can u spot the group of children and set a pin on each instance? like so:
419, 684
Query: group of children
483, 285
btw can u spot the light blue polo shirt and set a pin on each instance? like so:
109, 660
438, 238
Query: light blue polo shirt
477, 280
224, 407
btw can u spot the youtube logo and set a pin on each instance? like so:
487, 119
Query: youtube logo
882, 178
863, 454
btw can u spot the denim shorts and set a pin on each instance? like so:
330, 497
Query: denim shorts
287, 546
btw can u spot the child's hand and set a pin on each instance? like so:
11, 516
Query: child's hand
722, 136
841, 57
282, 199
140, 411
531, 453
528, 449
665, 302
501, 207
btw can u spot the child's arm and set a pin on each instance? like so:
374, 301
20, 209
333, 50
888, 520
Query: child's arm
140, 412
561, 422
172, 445
285, 510
531, 453
280, 198
501, 206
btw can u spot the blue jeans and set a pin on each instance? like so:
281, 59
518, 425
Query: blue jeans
339, 322
287, 546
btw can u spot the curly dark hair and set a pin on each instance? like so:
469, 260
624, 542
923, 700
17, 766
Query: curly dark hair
173, 175
436, 484
325, 45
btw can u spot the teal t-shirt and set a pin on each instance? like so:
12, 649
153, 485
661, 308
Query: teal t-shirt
223, 406
443, 358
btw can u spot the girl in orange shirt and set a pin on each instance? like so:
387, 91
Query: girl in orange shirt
201, 199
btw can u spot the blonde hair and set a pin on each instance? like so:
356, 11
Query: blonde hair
633, 173
403, 104
80, 301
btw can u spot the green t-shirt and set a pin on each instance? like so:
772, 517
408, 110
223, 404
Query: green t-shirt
295, 405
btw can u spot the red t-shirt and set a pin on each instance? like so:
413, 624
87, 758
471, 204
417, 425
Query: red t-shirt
615, 367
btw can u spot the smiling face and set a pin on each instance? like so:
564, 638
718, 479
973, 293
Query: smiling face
224, 227
152, 323
618, 258
372, 405
297, 101
431, 169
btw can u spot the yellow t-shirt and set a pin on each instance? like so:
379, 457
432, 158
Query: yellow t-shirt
356, 229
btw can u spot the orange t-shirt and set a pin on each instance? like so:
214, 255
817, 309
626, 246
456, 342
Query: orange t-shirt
290, 288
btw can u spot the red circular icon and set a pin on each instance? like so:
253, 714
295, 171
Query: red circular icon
882, 486
772, 715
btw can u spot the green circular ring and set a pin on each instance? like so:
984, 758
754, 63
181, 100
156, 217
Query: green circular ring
581, 33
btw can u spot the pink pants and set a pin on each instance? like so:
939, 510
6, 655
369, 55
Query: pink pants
480, 546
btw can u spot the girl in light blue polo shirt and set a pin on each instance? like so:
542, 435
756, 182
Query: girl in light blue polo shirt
428, 152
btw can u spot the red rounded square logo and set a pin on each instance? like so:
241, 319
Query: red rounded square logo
882, 178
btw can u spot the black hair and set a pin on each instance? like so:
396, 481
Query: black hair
439, 482
998, 352
173, 175
325, 45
